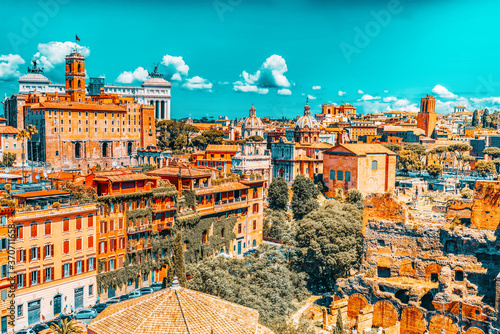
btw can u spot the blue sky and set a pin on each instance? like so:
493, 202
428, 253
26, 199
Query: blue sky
223, 55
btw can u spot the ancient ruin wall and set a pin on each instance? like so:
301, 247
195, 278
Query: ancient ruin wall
486, 208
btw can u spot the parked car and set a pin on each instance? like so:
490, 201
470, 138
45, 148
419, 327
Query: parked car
156, 286
40, 327
250, 251
124, 297
99, 307
134, 294
85, 313
113, 301
145, 291
26, 331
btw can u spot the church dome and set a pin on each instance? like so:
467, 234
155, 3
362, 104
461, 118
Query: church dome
252, 122
307, 120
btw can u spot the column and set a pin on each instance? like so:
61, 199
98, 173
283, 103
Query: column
162, 110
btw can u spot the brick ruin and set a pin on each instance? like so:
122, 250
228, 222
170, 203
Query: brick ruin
427, 275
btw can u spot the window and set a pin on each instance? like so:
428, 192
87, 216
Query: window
66, 225
204, 237
340, 175
78, 223
102, 247
48, 228
66, 247
90, 265
374, 164
348, 176
34, 253
34, 230
19, 310
48, 274
4, 244
4, 271
111, 264
78, 244
239, 228
34, 277
66, 270
254, 225
256, 208
48, 250
90, 242
79, 267
332, 175
90, 221
91, 289
222, 232
19, 232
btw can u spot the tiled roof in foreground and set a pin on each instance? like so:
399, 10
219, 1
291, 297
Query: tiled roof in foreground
176, 310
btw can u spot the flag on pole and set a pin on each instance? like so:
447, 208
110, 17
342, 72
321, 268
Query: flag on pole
77, 38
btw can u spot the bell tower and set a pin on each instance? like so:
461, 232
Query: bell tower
75, 76
427, 117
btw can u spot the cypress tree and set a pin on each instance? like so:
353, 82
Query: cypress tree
339, 327
180, 269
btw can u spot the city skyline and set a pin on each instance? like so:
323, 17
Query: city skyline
232, 54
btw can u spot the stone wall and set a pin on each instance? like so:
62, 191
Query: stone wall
486, 208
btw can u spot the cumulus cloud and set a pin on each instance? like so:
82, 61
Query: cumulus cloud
9, 66
54, 53
198, 83
386, 91
390, 99
176, 67
443, 92
360, 91
341, 93
284, 91
316, 87
270, 75
310, 97
368, 97
128, 77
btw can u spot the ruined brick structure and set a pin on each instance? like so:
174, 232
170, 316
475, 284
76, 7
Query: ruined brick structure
422, 275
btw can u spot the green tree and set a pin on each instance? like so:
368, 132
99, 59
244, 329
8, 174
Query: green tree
199, 142
255, 138
408, 161
496, 162
304, 196
485, 119
277, 227
434, 170
67, 326
438, 152
393, 147
329, 242
23, 136
485, 167
214, 137
475, 119
466, 160
354, 196
467, 193
459, 150
278, 194
178, 253
492, 151
8, 159
170, 131
339, 326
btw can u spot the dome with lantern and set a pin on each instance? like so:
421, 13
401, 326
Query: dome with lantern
252, 125
307, 120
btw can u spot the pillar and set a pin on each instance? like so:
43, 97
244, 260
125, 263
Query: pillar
162, 110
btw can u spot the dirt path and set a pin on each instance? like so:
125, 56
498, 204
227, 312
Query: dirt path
296, 316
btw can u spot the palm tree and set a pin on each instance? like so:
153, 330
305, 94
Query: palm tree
67, 327
22, 136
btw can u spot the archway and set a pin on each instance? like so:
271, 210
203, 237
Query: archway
432, 272
384, 267
384, 314
104, 150
406, 268
129, 148
78, 148
412, 321
474, 330
355, 304
441, 324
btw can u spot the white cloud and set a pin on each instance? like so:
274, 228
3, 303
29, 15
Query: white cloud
443, 92
368, 97
390, 99
198, 83
310, 97
341, 93
54, 53
270, 75
386, 91
360, 91
316, 87
9, 66
176, 67
128, 77
284, 91
246, 88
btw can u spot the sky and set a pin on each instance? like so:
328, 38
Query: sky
222, 56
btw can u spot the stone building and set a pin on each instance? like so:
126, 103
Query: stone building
252, 158
427, 275
307, 128
427, 116
370, 168
252, 125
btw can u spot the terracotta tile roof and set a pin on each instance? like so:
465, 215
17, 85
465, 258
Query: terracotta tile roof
181, 171
228, 186
41, 193
176, 310
124, 177
225, 148
319, 145
361, 149
79, 106
8, 130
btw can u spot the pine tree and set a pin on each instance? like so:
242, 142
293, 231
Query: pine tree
475, 118
339, 327
180, 269
486, 118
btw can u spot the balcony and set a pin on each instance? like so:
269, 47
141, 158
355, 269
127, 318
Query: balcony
139, 229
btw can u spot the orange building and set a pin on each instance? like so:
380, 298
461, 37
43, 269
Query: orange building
9, 142
55, 257
217, 157
427, 117
370, 168
7, 286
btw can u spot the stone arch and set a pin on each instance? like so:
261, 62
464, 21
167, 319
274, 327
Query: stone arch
474, 330
406, 268
441, 324
384, 267
412, 321
384, 314
355, 304
432, 272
